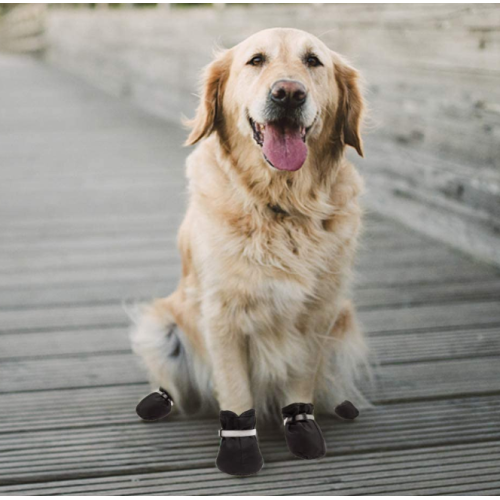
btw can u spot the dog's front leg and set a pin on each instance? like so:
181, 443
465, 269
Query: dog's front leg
228, 354
239, 452
303, 435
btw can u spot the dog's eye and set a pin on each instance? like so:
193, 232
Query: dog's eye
257, 60
312, 61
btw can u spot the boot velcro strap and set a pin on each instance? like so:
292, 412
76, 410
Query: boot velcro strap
300, 416
165, 395
237, 434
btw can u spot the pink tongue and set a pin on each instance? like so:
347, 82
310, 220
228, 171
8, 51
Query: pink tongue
284, 147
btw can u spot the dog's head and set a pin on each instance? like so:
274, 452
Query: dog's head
285, 93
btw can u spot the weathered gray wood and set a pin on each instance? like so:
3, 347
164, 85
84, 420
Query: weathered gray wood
125, 253
166, 446
427, 346
370, 277
374, 321
433, 316
349, 474
28, 230
83, 235
112, 406
58, 344
387, 349
395, 382
159, 255
86, 294
133, 291
433, 293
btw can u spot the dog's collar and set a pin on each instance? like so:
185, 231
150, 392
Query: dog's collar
277, 209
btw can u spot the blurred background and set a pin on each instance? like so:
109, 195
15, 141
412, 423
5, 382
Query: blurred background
431, 72
92, 191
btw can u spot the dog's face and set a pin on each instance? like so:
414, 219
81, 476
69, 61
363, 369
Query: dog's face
281, 90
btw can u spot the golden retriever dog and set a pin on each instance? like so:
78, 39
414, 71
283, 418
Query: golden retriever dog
262, 316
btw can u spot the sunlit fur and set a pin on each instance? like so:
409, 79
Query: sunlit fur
262, 308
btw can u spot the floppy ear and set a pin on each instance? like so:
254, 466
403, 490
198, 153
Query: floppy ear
350, 107
209, 111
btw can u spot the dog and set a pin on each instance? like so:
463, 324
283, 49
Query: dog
262, 316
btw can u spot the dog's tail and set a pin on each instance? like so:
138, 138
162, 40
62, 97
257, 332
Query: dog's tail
167, 354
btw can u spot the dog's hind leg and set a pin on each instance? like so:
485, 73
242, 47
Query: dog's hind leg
157, 337
345, 361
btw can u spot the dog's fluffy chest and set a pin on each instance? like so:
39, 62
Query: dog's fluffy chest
285, 246
261, 264
266, 271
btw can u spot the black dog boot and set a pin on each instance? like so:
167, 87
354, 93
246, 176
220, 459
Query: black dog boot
303, 435
346, 411
155, 406
239, 453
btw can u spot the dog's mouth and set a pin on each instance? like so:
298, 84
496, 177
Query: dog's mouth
283, 143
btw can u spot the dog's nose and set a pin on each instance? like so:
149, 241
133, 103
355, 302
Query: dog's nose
288, 93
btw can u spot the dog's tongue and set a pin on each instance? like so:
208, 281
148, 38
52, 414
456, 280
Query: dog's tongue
284, 147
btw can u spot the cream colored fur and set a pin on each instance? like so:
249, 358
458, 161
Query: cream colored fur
262, 310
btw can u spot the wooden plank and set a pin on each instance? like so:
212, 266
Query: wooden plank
159, 255
431, 380
349, 472
369, 273
434, 293
113, 408
41, 320
64, 344
86, 294
67, 408
137, 291
453, 316
423, 275
99, 451
64, 373
87, 243
149, 225
352, 473
427, 346
395, 382
152, 253
115, 242
374, 320
387, 349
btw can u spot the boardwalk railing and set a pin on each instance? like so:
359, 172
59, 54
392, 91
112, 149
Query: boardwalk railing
22, 29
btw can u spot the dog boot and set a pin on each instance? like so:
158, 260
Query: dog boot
239, 453
347, 411
155, 406
303, 435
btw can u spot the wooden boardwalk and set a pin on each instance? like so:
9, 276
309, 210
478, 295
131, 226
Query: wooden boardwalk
91, 194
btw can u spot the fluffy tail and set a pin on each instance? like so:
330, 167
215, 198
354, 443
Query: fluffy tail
169, 358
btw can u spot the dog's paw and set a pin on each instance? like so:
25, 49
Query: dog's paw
239, 452
303, 435
155, 406
347, 411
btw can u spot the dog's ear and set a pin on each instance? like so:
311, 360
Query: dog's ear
209, 112
350, 106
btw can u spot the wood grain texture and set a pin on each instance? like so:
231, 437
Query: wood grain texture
85, 232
